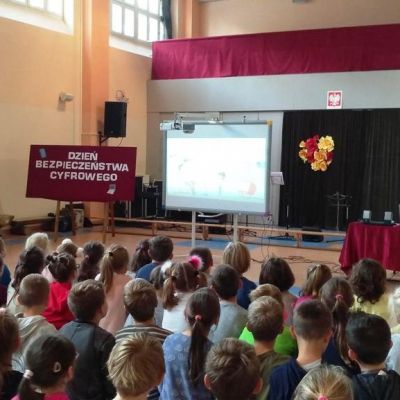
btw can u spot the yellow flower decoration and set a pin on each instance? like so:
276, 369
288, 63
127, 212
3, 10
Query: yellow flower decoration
302, 144
319, 155
326, 143
303, 155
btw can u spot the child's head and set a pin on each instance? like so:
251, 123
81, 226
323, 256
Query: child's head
266, 290
206, 257
181, 277
9, 339
115, 259
161, 248
38, 239
225, 280
368, 338
136, 365
368, 279
265, 319
395, 304
68, 246
140, 299
237, 255
337, 295
157, 278
326, 382
49, 362
232, 370
312, 322
202, 311
30, 262
317, 275
141, 256
93, 252
276, 271
62, 266
87, 301
34, 291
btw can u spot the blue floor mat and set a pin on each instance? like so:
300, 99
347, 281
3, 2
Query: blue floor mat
216, 244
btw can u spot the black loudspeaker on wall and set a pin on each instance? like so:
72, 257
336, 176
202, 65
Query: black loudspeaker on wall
115, 119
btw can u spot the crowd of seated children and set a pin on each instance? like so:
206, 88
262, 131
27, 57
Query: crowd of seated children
135, 366
89, 268
369, 342
33, 296
87, 302
317, 275
232, 370
266, 323
182, 280
185, 352
63, 269
140, 257
368, 280
9, 343
226, 282
140, 301
160, 250
284, 343
325, 382
237, 255
5, 275
50, 366
337, 295
312, 327
113, 269
277, 272
30, 261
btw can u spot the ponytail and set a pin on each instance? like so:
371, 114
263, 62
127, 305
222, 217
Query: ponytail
337, 295
115, 259
182, 277
48, 359
202, 311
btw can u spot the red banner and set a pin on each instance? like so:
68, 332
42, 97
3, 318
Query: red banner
81, 173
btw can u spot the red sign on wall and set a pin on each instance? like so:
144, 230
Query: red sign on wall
81, 173
334, 99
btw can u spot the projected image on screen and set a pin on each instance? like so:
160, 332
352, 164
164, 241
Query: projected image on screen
218, 168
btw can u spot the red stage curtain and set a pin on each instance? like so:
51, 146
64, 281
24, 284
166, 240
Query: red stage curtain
365, 48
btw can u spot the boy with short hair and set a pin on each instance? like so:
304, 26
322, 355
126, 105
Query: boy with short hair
32, 296
232, 370
87, 303
225, 280
136, 365
312, 327
369, 341
265, 322
160, 250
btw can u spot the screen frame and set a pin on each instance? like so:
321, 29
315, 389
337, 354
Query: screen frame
268, 125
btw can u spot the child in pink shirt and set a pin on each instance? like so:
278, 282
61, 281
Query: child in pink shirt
113, 269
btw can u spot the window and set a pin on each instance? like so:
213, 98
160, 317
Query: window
55, 7
137, 19
57, 15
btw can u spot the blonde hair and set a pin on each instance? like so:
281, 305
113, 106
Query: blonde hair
324, 382
115, 259
267, 290
395, 304
317, 276
136, 364
38, 239
237, 255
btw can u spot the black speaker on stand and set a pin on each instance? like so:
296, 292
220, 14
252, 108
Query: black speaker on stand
115, 119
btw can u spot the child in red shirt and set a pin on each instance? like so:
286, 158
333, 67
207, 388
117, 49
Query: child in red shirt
63, 268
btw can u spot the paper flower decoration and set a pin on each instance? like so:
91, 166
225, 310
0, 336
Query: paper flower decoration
317, 151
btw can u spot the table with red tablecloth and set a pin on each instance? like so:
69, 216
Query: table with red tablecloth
380, 242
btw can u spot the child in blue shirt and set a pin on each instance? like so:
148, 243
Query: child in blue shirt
185, 353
